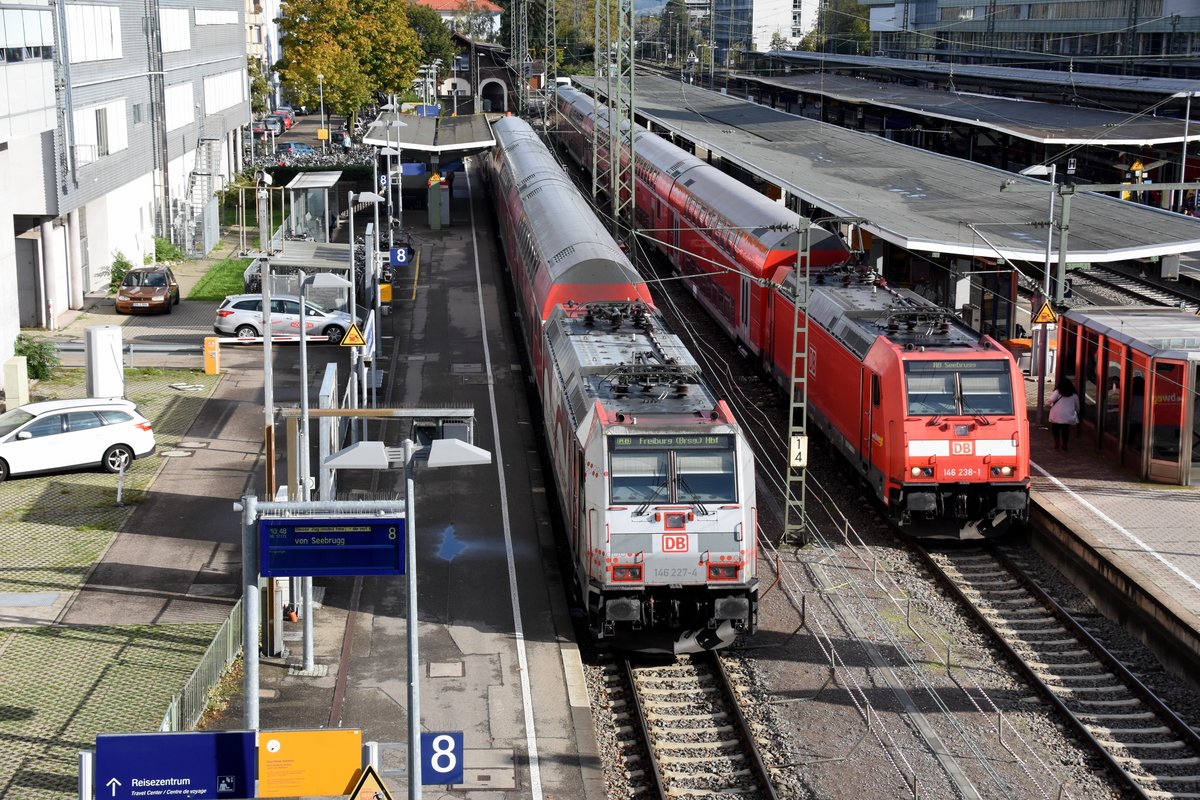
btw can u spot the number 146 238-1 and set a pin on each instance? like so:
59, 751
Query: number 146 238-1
962, 472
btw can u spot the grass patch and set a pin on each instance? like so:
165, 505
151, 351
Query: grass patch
222, 279
221, 696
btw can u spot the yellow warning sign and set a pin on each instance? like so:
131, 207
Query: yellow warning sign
1044, 316
353, 337
369, 787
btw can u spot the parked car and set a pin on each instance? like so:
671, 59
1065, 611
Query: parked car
279, 123
295, 149
287, 115
148, 289
73, 434
241, 315
268, 124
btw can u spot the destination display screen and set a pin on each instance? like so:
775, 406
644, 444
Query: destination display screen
672, 441
331, 546
991, 365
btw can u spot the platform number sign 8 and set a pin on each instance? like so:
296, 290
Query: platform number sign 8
441, 758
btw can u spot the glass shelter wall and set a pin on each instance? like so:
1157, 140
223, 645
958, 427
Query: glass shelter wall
1138, 399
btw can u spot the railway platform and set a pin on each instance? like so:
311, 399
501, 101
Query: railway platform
1132, 545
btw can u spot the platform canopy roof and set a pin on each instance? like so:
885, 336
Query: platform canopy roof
315, 180
915, 199
444, 136
1064, 78
1166, 332
1044, 123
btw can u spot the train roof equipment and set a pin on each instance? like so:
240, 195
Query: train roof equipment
620, 355
856, 309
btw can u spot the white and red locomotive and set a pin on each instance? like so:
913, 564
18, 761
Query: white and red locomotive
655, 479
931, 413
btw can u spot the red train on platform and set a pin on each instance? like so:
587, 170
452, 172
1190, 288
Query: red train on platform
930, 412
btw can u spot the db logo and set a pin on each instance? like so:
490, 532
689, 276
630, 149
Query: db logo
962, 448
674, 543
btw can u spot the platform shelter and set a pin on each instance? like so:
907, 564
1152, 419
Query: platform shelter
1138, 374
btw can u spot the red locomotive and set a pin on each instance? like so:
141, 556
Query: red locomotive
930, 412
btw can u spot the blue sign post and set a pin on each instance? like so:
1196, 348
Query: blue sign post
217, 765
331, 546
441, 758
400, 256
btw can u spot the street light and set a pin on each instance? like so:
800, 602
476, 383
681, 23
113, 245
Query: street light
322, 280
1187, 118
1041, 330
351, 199
442, 453
321, 87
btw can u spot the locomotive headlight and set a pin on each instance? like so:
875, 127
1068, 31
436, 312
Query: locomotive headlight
722, 572
627, 572
916, 472
1002, 471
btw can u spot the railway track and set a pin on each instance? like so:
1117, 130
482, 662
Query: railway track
1103, 286
1143, 741
690, 738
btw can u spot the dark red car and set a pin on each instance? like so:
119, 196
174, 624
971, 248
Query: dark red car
149, 289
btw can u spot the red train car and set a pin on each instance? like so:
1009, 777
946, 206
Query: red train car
930, 412
730, 252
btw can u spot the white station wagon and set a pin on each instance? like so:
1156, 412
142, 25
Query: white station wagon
73, 434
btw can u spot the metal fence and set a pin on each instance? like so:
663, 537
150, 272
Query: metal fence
188, 705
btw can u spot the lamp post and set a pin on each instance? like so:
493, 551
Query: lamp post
442, 453
1187, 118
351, 199
393, 177
1043, 335
321, 88
320, 280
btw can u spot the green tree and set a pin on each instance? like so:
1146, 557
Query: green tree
433, 35
673, 28
259, 87
779, 41
360, 46
842, 27
473, 22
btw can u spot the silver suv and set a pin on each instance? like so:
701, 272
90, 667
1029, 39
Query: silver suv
241, 315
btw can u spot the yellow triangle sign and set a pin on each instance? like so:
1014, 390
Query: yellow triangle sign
353, 337
369, 787
1044, 316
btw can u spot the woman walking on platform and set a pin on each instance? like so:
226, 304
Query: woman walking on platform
1064, 412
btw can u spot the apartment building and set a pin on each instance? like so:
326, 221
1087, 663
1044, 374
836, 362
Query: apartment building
116, 125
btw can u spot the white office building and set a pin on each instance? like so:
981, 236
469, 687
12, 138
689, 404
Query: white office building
115, 126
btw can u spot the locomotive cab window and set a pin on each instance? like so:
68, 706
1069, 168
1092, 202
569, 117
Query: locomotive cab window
695, 469
639, 477
705, 477
958, 388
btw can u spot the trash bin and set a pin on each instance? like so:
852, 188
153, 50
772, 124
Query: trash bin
1022, 350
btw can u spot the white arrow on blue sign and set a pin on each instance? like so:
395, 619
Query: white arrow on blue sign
208, 765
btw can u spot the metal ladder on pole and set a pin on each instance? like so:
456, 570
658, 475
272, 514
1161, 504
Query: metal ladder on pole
795, 527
